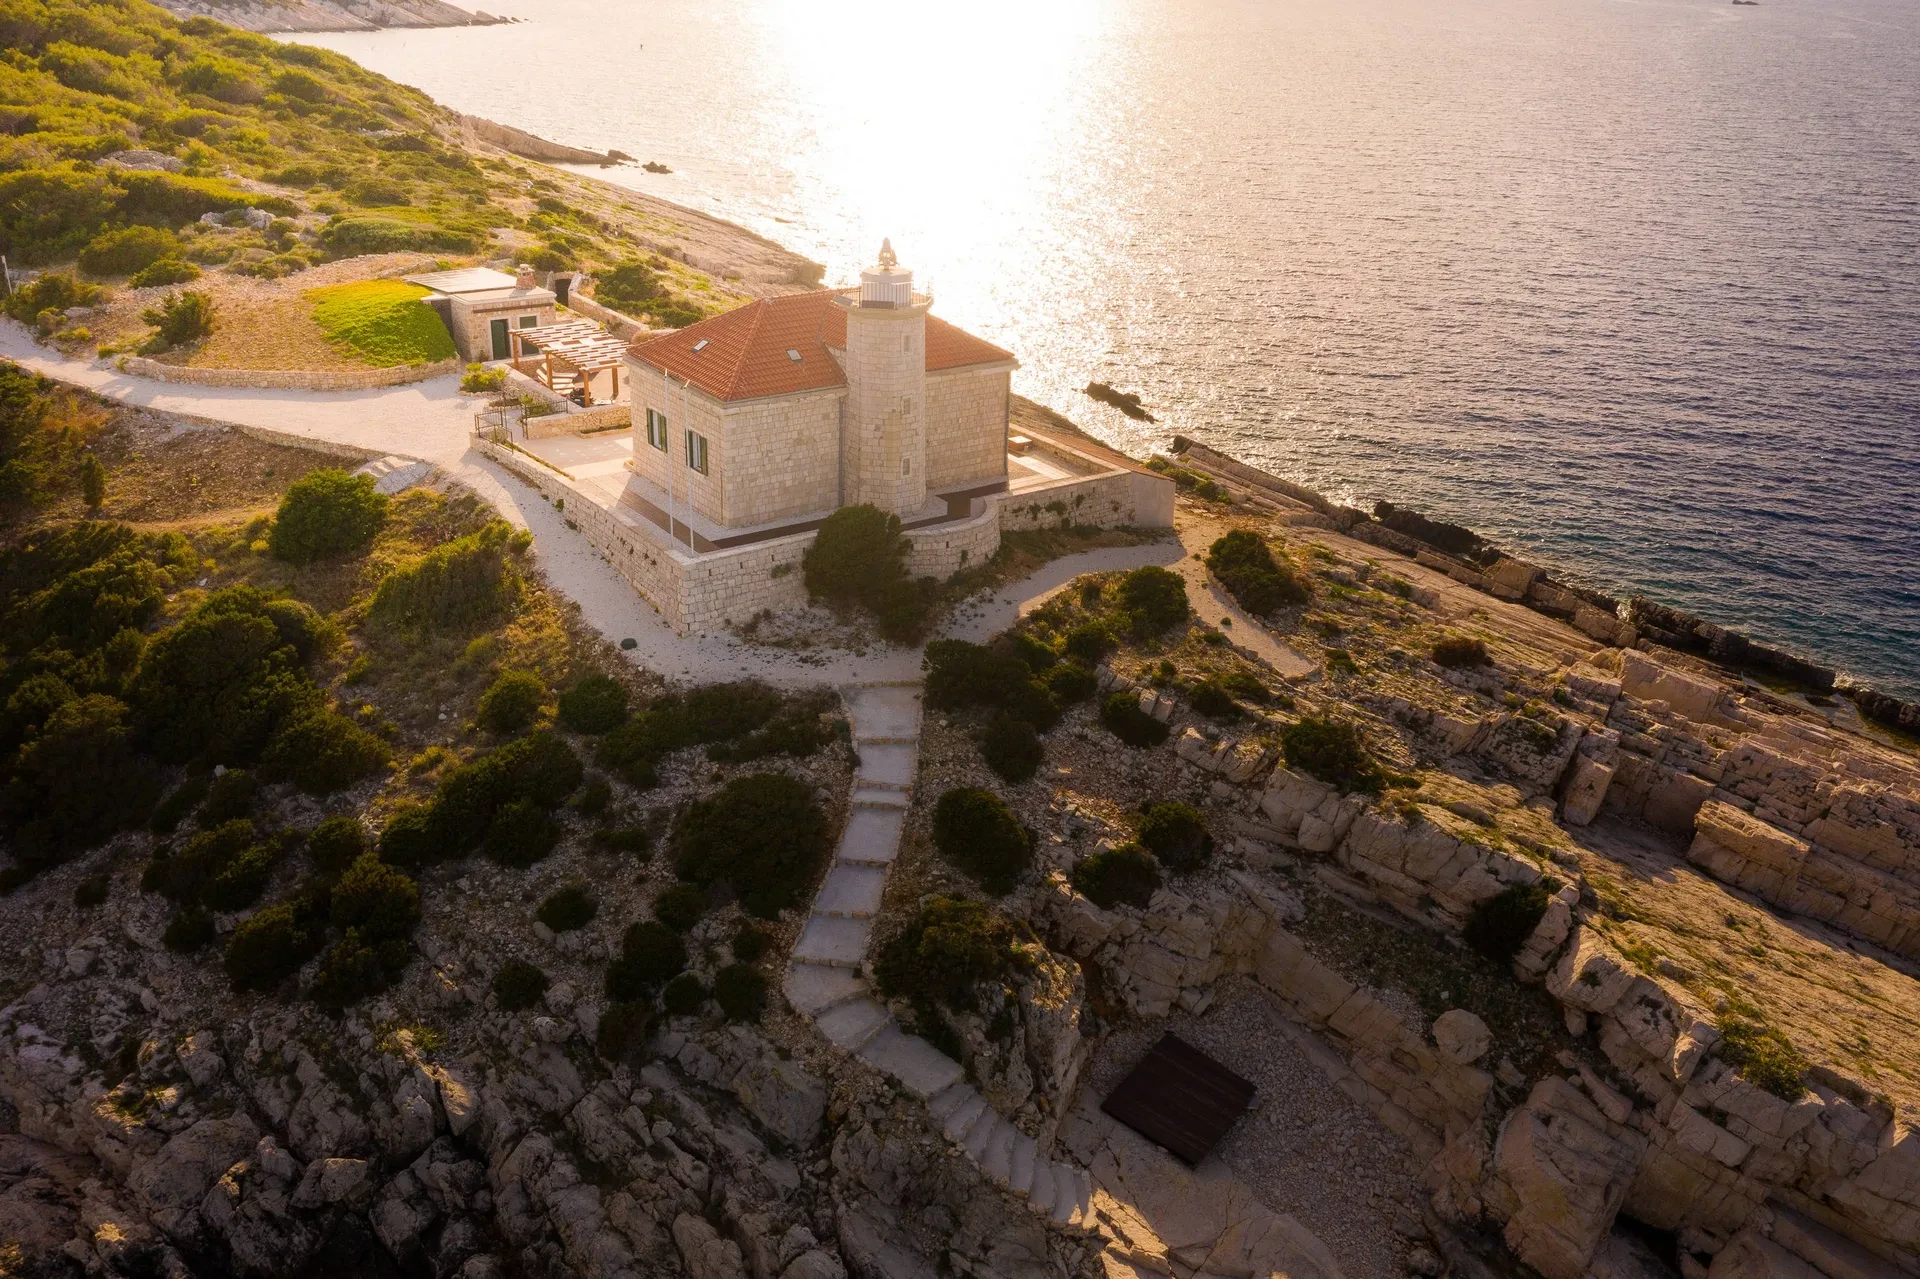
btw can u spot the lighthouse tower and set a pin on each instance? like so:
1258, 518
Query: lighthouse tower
886, 370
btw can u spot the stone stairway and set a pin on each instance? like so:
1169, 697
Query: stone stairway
824, 981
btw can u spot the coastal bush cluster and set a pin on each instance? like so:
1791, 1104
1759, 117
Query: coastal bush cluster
325, 514
1246, 567
859, 558
945, 951
765, 836
1125, 876
1763, 1056
976, 831
1333, 751
736, 722
500, 801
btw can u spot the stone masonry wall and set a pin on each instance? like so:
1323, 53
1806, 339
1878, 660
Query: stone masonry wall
782, 457
886, 370
287, 379
470, 324
967, 425
667, 468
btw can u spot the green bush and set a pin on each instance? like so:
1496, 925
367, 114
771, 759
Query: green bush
593, 797
324, 514
960, 674
478, 379
271, 947
595, 704
628, 288
1244, 686
164, 272
741, 992
76, 783
231, 796
1211, 698
650, 954
179, 319
1127, 875
352, 236
511, 702
622, 1027
91, 891
637, 840
945, 951
239, 883
322, 752
188, 931
520, 834
357, 966
978, 833
1089, 642
749, 943
1177, 835
54, 291
336, 844
568, 908
1070, 682
376, 899
1332, 751
1154, 599
1011, 748
1461, 651
859, 556
182, 876
680, 907
683, 995
465, 584
127, 250
1764, 1057
411, 839
1245, 566
518, 985
1500, 925
1122, 716
764, 834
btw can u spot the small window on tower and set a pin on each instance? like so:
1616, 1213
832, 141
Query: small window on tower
906, 342
906, 466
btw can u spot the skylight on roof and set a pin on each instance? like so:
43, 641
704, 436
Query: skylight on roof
793, 355
701, 345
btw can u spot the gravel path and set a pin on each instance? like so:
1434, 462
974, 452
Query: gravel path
1305, 1149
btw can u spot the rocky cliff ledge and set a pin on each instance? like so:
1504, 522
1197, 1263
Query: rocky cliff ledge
330, 15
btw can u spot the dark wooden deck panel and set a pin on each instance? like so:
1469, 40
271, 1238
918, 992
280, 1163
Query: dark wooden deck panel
1181, 1098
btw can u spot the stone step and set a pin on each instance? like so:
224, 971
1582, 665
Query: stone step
853, 1024
1040, 1197
852, 891
863, 740
814, 988
922, 1069
983, 1134
872, 836
839, 943
997, 1161
1073, 1200
878, 797
884, 712
947, 1101
1020, 1163
970, 1112
887, 763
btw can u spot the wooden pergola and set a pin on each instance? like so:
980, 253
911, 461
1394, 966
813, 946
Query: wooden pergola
564, 357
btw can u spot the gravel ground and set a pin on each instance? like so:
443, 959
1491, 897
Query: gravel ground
1304, 1148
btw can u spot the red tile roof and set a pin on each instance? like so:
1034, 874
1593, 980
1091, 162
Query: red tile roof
745, 356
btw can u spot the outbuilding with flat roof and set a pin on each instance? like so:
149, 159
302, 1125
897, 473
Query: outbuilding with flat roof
481, 307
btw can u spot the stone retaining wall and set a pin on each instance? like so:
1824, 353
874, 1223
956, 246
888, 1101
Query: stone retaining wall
568, 418
621, 326
287, 379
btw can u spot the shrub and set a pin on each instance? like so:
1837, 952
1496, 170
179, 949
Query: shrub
462, 585
231, 795
1245, 566
54, 291
511, 702
621, 1029
271, 946
857, 553
1500, 925
975, 831
960, 674
351, 236
945, 950
77, 783
479, 379
1211, 698
180, 318
595, 704
520, 834
650, 953
1089, 642
1461, 650
357, 966
1332, 751
410, 839
593, 797
680, 907
93, 481
239, 883
1762, 1055
1244, 686
741, 992
1177, 835
1122, 716
376, 899
637, 840
220, 682
1127, 875
749, 943
1154, 599
182, 876
1070, 682
91, 891
127, 250
518, 985
188, 931
165, 271
1039, 657
336, 844
764, 834
627, 288
538, 771
1011, 748
568, 908
684, 994
322, 752
324, 514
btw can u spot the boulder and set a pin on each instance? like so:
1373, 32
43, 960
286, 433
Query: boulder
787, 1100
173, 1184
1752, 1256
705, 1253
1561, 1171
1586, 786
1461, 1036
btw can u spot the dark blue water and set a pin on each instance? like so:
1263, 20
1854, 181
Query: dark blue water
1631, 286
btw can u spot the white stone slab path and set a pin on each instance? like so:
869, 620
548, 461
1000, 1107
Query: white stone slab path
825, 982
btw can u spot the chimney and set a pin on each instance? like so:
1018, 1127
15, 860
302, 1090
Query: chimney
523, 277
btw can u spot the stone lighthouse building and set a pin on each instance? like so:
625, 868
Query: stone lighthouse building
886, 369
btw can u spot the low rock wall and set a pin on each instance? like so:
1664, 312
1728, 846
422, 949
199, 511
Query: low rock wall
287, 379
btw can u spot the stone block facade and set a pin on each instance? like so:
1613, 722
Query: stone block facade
470, 322
767, 460
966, 425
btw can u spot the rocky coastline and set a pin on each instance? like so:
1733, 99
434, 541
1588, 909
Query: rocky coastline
289, 16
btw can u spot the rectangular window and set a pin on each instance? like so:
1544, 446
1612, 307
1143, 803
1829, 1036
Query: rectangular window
697, 451
529, 321
657, 429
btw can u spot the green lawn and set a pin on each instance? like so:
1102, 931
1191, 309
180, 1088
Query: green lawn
381, 322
